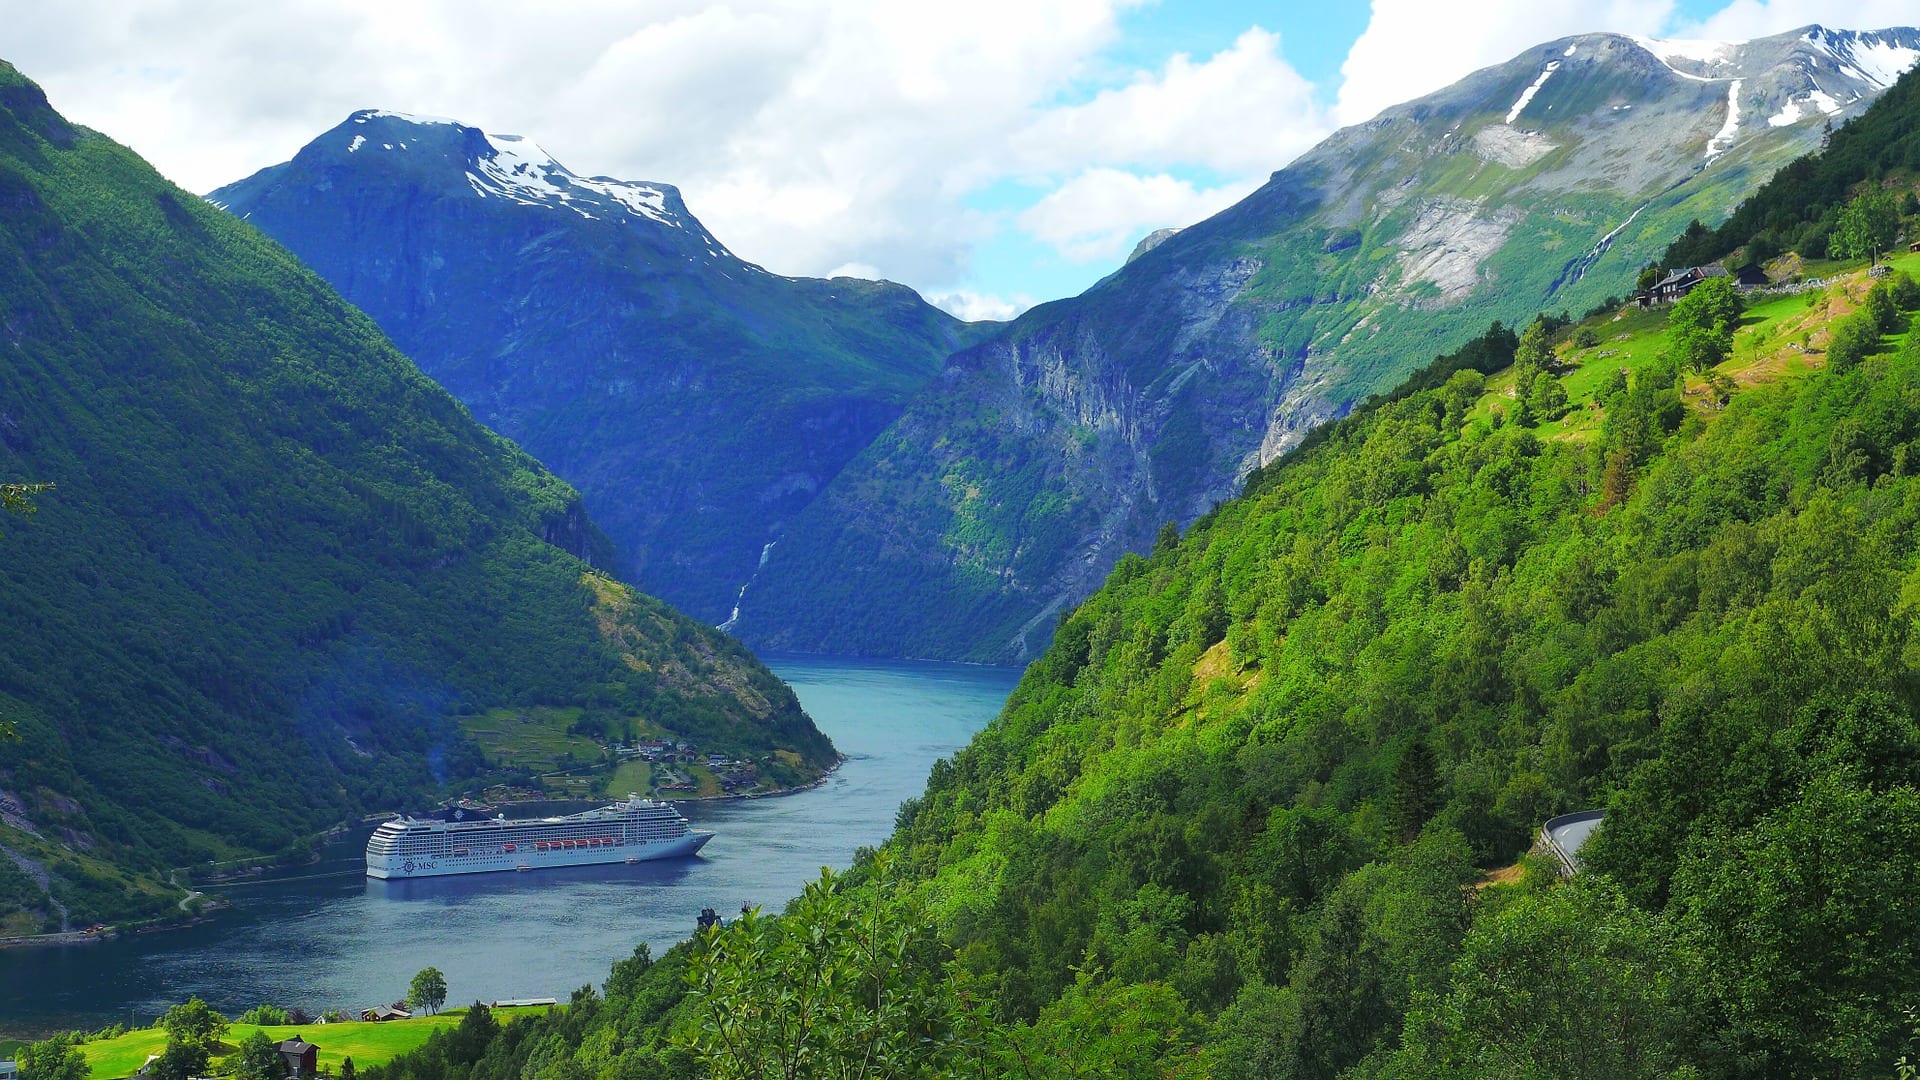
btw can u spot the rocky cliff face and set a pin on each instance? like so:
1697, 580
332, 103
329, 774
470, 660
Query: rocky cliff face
1017, 478
696, 400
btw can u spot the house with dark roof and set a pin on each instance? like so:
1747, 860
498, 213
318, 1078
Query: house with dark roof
1681, 282
302, 1057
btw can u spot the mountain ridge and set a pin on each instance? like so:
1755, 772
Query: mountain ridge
279, 566
1548, 180
696, 399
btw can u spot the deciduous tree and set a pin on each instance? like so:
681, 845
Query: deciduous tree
428, 990
1866, 226
194, 1024
57, 1058
1700, 328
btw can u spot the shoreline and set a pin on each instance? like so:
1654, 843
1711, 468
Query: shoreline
214, 905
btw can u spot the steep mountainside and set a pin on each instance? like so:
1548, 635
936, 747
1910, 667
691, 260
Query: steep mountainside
1015, 481
696, 400
278, 562
1261, 809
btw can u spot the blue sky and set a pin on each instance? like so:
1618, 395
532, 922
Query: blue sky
1315, 39
991, 154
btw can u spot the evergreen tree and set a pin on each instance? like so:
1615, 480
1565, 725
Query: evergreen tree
1417, 794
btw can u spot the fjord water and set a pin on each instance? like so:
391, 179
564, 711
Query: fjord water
328, 937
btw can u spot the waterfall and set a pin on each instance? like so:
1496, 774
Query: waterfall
735, 617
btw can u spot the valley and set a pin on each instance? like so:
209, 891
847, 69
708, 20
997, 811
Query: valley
1544, 448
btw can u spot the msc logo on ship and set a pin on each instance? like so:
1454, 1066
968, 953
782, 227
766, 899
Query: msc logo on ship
409, 866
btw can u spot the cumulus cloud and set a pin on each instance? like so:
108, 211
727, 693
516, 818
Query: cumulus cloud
1245, 109
808, 135
1759, 18
976, 307
1098, 214
811, 135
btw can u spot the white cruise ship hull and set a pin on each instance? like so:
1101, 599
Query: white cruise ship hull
526, 858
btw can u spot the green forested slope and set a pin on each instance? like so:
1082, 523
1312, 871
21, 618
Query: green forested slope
278, 562
1257, 811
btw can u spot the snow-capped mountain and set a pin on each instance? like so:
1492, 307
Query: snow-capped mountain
1543, 183
696, 400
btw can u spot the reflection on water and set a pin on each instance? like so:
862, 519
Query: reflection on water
330, 937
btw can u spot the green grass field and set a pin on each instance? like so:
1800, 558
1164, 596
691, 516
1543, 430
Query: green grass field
1780, 337
534, 738
366, 1044
631, 776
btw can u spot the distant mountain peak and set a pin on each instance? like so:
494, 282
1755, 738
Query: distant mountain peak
1876, 56
499, 166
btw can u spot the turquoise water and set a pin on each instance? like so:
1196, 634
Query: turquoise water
329, 937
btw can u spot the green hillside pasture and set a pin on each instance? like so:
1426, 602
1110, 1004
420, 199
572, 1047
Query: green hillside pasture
630, 776
536, 738
366, 1043
1780, 337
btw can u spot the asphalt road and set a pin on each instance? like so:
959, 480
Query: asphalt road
1569, 831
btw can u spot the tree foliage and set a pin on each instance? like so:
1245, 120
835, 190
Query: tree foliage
848, 983
273, 531
257, 1059
1700, 327
1866, 225
194, 1023
55, 1058
428, 989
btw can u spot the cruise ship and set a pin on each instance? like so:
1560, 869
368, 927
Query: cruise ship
459, 843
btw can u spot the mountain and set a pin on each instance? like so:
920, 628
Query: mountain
1015, 481
1268, 805
696, 400
281, 575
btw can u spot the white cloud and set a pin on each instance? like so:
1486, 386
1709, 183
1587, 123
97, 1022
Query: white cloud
854, 270
1758, 18
974, 306
1245, 109
1099, 213
808, 135
1411, 48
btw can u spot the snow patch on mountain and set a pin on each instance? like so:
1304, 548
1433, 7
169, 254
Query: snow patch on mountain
1872, 57
1724, 137
1710, 53
517, 169
365, 115
1527, 94
357, 143
1792, 113
1700, 52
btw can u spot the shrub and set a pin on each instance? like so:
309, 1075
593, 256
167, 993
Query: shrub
1853, 338
1905, 292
